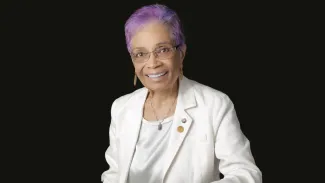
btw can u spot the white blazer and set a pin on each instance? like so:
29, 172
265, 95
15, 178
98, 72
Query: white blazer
212, 141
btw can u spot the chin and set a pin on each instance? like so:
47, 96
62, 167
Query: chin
156, 87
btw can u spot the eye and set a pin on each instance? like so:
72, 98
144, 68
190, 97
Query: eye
140, 54
162, 50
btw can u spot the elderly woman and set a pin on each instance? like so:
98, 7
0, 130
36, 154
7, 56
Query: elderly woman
173, 130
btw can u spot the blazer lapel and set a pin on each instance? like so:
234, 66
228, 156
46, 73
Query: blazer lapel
185, 100
131, 133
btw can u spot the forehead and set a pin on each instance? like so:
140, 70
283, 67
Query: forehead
151, 35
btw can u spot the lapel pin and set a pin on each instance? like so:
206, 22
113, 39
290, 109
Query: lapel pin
180, 129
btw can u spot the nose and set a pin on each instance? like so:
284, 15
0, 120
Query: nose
152, 61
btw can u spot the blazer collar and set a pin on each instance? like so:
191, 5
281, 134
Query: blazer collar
185, 100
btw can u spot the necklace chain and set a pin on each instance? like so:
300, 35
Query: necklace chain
160, 125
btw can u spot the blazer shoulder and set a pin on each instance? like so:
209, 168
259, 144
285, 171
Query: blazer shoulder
208, 92
122, 101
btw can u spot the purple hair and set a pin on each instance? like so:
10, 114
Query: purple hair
154, 12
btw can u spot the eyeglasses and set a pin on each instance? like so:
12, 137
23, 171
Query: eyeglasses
161, 53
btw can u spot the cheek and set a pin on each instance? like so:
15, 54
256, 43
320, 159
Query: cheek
138, 69
177, 64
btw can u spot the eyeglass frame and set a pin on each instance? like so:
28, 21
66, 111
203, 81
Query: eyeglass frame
174, 48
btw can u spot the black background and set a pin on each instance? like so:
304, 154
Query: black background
69, 63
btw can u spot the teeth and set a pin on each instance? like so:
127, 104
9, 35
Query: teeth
156, 75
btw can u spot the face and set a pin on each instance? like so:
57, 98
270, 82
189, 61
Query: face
157, 72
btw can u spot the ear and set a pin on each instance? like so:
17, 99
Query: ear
183, 51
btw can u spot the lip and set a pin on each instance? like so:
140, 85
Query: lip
157, 73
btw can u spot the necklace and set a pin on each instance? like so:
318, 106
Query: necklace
160, 125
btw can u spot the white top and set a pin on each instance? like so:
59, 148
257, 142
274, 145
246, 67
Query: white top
148, 160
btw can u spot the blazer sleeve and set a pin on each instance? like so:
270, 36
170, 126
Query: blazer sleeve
111, 154
232, 148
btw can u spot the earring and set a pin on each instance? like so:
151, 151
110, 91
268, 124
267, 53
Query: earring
181, 74
135, 80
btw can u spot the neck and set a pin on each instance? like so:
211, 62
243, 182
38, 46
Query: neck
162, 97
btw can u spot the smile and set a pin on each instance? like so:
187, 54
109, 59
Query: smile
156, 75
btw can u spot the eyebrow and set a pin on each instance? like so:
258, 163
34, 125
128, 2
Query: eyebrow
165, 42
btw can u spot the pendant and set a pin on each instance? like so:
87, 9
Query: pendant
159, 126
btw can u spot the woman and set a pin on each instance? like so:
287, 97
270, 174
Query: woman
173, 130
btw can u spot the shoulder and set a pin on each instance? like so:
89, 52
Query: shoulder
122, 101
209, 94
